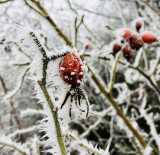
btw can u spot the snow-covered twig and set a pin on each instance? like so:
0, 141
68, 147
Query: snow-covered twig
85, 144
8, 143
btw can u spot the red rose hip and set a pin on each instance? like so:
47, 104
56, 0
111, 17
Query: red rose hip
127, 53
135, 41
149, 37
126, 33
116, 48
138, 25
72, 69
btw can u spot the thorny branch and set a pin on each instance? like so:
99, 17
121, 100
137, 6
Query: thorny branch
47, 96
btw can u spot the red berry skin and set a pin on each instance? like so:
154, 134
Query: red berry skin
126, 33
135, 41
149, 37
138, 25
72, 69
127, 53
116, 48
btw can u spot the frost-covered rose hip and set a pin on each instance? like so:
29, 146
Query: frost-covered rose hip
72, 69
127, 53
116, 48
72, 72
138, 25
135, 41
126, 33
149, 37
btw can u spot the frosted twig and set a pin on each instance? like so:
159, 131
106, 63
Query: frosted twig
150, 122
153, 70
23, 131
99, 57
111, 137
69, 3
19, 87
110, 28
7, 142
125, 23
137, 147
152, 8
30, 112
24, 64
77, 28
101, 113
51, 21
145, 60
34, 8
138, 58
5, 1
3, 85
90, 32
85, 145
94, 43
19, 48
12, 106
91, 127
114, 72
155, 148
98, 13
13, 147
